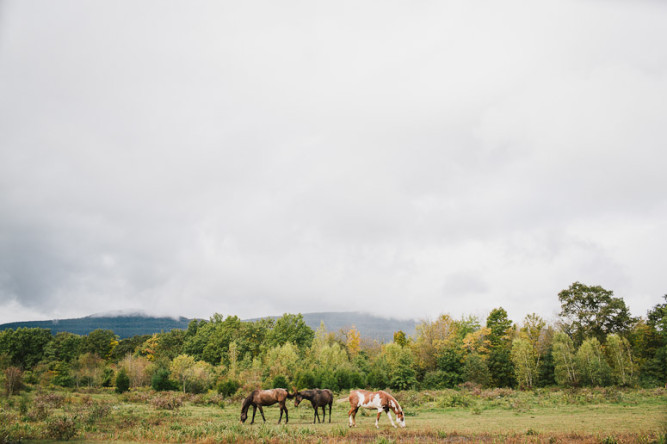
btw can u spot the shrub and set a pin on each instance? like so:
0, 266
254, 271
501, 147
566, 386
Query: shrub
39, 411
51, 399
97, 412
161, 382
166, 402
279, 381
440, 379
122, 381
13, 380
61, 428
454, 399
107, 377
228, 387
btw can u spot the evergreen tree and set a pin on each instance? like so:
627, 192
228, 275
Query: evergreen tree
499, 360
122, 381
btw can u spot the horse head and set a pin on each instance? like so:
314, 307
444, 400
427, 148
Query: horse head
246, 404
297, 399
400, 417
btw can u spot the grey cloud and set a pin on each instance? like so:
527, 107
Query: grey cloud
257, 158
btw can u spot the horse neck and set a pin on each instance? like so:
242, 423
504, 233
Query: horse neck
397, 406
308, 394
247, 402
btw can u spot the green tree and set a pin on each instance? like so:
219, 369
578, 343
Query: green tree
401, 364
432, 339
591, 365
290, 328
62, 374
88, 369
475, 370
400, 338
160, 381
182, 369
620, 360
525, 362
591, 311
101, 342
500, 339
655, 367
128, 346
122, 381
64, 347
24, 346
169, 344
282, 360
565, 370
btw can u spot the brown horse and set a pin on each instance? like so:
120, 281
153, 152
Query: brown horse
318, 398
259, 398
382, 401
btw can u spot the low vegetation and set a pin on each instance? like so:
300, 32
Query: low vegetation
454, 415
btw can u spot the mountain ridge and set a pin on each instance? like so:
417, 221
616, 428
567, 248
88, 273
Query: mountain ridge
136, 324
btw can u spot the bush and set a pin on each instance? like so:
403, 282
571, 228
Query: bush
228, 387
440, 379
166, 402
453, 398
122, 381
61, 428
161, 382
279, 381
13, 380
305, 380
107, 377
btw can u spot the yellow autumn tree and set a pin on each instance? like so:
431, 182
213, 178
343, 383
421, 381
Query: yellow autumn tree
353, 342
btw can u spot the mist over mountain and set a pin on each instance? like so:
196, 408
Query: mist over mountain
128, 324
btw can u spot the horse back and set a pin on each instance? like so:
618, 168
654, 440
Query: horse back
268, 397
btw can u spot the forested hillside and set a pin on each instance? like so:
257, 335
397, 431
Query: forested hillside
126, 326
596, 342
123, 326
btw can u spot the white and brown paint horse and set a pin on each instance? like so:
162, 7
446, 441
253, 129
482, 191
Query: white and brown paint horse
259, 398
381, 401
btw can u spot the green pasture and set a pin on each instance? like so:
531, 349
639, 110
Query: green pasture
499, 415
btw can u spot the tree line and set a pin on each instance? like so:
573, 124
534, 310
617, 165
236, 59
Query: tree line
595, 342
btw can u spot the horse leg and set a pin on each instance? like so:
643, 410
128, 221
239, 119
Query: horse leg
390, 420
261, 410
254, 410
378, 419
316, 414
351, 414
286, 414
330, 404
324, 414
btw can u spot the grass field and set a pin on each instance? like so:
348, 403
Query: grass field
499, 415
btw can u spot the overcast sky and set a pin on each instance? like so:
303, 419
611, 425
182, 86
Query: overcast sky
402, 158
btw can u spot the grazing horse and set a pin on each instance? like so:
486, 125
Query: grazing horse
259, 398
382, 401
318, 398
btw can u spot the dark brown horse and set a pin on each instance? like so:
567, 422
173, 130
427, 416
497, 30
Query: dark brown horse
318, 398
259, 398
